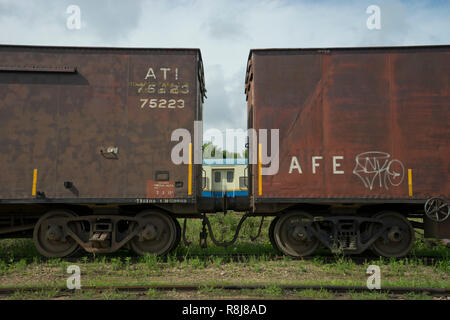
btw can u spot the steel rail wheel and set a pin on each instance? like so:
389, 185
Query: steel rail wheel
397, 240
50, 238
158, 236
271, 234
292, 234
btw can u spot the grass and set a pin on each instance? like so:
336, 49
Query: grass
152, 293
116, 263
273, 291
118, 295
21, 265
373, 295
343, 264
211, 291
197, 263
150, 260
31, 295
429, 247
223, 226
208, 292
442, 265
315, 294
417, 296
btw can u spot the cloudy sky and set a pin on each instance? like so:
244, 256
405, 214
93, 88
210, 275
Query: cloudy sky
225, 31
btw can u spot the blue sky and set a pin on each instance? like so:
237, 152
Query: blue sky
225, 31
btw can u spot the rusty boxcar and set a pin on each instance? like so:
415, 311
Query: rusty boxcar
85, 145
87, 138
363, 144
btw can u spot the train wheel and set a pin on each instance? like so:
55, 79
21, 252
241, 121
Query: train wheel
291, 234
178, 235
49, 237
271, 234
158, 236
397, 240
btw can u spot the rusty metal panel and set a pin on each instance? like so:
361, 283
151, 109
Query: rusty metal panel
28, 68
377, 119
27, 131
436, 229
171, 104
96, 119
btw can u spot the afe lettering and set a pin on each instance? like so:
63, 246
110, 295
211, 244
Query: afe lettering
316, 162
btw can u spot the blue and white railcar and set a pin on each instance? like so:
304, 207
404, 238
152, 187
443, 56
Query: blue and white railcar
225, 176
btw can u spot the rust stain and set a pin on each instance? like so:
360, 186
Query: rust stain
73, 102
361, 111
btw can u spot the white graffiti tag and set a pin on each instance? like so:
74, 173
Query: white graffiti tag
376, 167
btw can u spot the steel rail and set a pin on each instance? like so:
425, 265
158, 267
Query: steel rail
426, 260
235, 287
245, 257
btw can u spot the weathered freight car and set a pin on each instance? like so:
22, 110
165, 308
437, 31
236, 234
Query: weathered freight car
87, 139
85, 146
363, 145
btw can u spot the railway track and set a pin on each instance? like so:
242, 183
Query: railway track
244, 258
327, 259
435, 292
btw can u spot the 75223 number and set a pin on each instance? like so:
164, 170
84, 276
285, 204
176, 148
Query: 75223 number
162, 103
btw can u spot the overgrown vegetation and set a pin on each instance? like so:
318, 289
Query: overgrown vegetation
22, 265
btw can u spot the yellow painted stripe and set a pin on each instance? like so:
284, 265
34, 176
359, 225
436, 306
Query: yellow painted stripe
33, 192
410, 182
190, 170
259, 169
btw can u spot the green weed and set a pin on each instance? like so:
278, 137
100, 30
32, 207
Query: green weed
372, 295
116, 263
315, 294
151, 261
273, 291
